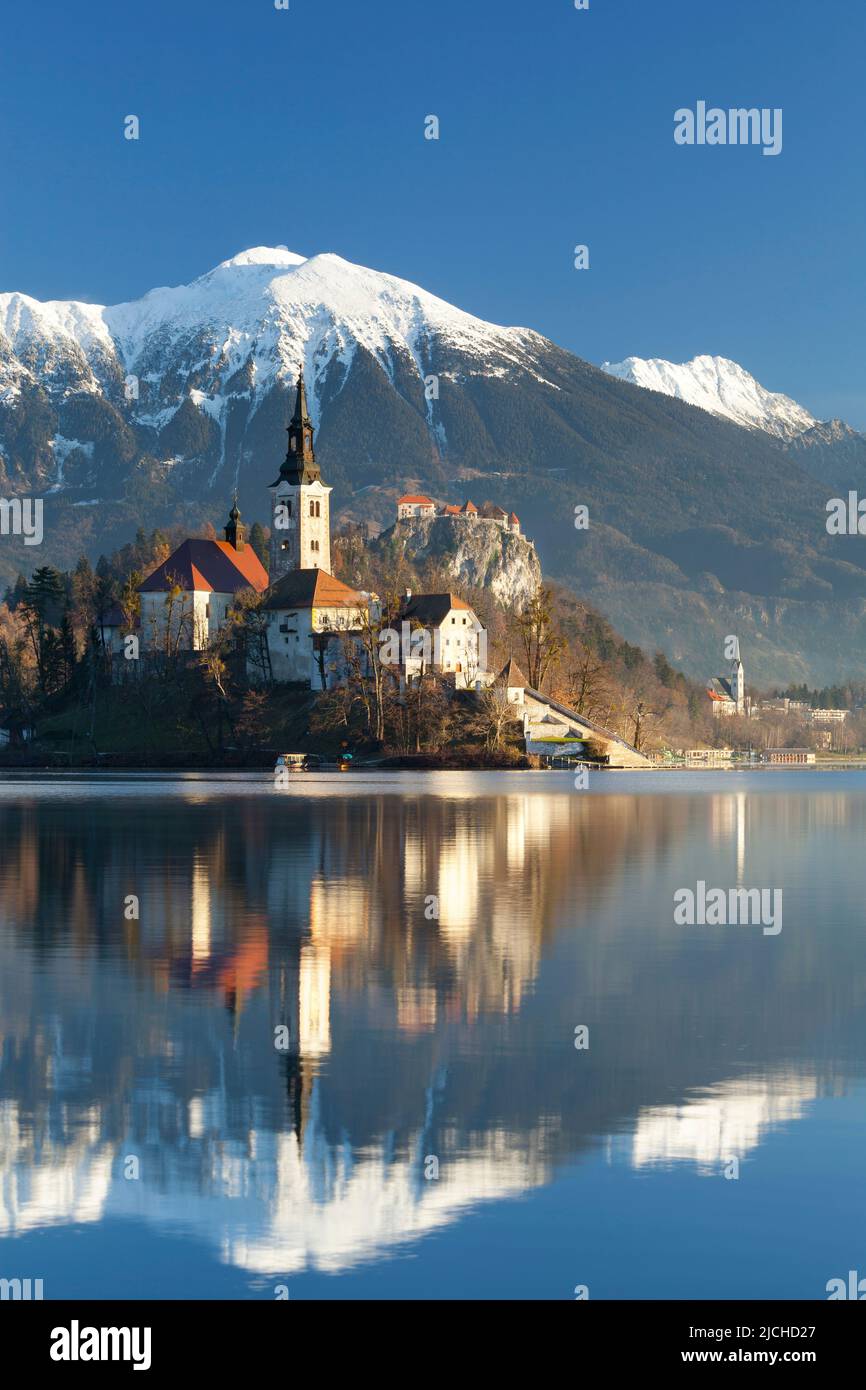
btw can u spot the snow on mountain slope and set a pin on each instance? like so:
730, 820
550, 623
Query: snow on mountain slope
266, 310
52, 342
720, 386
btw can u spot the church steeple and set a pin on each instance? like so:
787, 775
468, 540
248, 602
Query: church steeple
301, 525
235, 531
300, 465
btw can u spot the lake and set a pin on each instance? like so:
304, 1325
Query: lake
431, 1035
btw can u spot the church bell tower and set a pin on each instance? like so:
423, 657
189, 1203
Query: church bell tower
300, 506
235, 531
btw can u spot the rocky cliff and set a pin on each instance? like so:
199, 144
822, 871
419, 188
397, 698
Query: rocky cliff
474, 553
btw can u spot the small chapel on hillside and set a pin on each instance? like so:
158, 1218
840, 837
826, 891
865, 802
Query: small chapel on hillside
728, 693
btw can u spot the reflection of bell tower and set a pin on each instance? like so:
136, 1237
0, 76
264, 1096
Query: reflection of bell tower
305, 1008
300, 507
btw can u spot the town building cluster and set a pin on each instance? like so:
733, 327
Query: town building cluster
415, 505
317, 627
728, 697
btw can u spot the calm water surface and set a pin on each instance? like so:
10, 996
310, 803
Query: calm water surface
254, 1082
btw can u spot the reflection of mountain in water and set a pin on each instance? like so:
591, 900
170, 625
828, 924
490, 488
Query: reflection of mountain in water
728, 1121
408, 1035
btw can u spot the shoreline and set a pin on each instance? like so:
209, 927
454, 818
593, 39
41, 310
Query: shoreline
396, 764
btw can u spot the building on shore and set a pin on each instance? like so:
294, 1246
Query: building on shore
778, 757
552, 731
707, 756
728, 693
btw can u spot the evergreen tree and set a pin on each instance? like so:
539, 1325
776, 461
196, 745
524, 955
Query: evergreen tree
41, 610
259, 543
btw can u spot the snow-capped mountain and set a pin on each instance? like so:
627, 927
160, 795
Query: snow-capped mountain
720, 386
152, 413
210, 353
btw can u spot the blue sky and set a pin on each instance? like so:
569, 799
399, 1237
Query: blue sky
305, 128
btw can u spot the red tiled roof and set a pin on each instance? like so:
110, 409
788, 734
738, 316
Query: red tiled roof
410, 497
208, 567
313, 589
514, 518
450, 510
469, 507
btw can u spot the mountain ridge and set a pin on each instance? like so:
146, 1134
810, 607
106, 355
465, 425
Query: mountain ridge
721, 386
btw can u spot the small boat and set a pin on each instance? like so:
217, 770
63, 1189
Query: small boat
292, 762
310, 762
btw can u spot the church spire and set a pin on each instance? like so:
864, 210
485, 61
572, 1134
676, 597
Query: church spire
235, 531
300, 465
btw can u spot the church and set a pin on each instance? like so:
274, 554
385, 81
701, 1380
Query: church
316, 626
728, 694
313, 618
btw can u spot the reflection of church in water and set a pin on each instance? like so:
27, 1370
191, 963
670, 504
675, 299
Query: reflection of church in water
355, 910
313, 918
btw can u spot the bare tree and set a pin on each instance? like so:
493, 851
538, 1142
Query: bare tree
539, 637
497, 712
586, 681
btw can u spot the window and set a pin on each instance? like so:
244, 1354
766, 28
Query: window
315, 508
314, 545
284, 545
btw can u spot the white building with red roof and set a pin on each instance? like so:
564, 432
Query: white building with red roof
313, 620
728, 694
415, 504
185, 600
